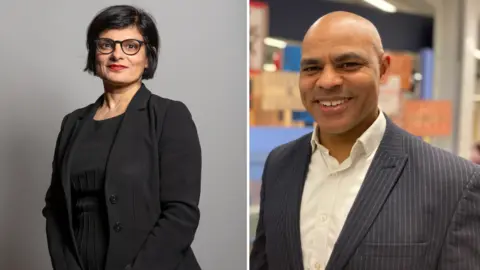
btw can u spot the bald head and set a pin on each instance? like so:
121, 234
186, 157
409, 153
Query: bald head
350, 24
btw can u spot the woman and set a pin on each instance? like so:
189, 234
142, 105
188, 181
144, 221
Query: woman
125, 185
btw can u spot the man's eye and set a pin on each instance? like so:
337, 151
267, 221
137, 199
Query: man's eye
310, 69
350, 65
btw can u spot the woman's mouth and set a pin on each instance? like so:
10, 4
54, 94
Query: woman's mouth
116, 67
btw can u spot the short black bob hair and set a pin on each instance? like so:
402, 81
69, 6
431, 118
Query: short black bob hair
120, 17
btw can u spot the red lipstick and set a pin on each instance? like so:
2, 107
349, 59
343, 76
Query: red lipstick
116, 67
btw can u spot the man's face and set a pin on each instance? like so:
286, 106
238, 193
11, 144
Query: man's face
339, 78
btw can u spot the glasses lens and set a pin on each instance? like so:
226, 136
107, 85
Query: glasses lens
131, 46
105, 45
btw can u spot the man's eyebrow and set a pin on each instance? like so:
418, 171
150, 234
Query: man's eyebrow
349, 56
339, 58
310, 62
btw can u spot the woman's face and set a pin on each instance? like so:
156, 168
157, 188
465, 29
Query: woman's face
126, 63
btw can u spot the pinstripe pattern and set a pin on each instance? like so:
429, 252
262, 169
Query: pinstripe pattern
418, 208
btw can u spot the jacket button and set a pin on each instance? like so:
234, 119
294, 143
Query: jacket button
113, 199
117, 227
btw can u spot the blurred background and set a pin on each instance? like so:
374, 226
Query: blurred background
432, 89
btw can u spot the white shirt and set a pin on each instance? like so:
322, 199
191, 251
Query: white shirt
329, 192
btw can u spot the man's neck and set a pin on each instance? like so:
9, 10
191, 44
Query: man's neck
340, 145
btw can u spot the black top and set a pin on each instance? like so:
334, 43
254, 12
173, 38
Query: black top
90, 219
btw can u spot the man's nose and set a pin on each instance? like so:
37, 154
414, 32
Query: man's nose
329, 78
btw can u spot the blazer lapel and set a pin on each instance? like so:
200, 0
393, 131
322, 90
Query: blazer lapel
292, 180
138, 102
66, 164
381, 178
72, 144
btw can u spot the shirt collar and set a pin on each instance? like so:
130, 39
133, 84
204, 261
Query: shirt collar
369, 140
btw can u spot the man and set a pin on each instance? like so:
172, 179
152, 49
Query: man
359, 192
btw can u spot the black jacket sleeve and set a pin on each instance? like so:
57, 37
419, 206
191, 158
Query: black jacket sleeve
55, 214
258, 255
180, 177
461, 249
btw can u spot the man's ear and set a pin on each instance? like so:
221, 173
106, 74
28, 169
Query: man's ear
385, 61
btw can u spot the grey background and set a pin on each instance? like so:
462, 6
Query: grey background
202, 63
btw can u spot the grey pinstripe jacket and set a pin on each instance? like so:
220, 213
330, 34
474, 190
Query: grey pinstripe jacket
418, 208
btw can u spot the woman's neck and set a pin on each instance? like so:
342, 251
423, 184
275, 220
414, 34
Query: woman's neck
116, 96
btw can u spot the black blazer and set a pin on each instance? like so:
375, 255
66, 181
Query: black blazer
418, 209
152, 188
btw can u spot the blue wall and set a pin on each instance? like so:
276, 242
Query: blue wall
265, 139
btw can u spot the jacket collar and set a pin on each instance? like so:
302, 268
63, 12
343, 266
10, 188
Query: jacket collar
138, 102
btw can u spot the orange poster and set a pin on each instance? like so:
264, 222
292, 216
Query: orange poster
401, 64
427, 118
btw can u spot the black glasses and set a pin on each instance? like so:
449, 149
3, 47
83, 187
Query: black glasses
129, 46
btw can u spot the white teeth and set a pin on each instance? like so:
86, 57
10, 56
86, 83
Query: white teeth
332, 103
338, 102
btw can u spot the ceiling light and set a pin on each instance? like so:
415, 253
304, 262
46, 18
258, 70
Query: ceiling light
383, 5
277, 43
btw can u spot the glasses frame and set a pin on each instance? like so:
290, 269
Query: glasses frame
121, 45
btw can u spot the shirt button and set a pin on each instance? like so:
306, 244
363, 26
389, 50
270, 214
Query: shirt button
117, 227
113, 199
323, 218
